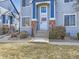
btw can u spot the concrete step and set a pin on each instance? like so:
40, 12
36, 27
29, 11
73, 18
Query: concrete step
42, 34
40, 40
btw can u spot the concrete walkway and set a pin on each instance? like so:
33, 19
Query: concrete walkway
4, 39
65, 43
2, 36
46, 40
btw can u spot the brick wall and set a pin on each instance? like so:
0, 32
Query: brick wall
33, 24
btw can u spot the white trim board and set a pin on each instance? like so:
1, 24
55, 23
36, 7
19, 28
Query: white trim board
52, 19
34, 19
42, 2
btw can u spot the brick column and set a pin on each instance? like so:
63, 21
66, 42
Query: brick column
34, 25
52, 23
34, 19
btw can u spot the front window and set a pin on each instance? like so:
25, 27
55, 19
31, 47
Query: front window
67, 1
25, 3
26, 21
69, 20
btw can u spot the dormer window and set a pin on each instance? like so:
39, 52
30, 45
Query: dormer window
67, 1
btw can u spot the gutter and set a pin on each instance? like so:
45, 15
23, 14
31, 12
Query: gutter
14, 6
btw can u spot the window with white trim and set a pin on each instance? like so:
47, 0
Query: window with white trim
26, 21
67, 1
25, 3
69, 20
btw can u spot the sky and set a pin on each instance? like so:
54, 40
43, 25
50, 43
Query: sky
17, 4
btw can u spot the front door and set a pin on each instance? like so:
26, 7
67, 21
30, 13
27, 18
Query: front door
43, 18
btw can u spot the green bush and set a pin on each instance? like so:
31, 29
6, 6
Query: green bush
57, 33
14, 34
5, 29
23, 35
78, 36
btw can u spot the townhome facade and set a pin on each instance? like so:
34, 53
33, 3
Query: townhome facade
7, 19
39, 15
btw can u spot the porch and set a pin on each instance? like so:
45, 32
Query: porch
43, 15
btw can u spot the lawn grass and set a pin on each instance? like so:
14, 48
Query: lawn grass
37, 51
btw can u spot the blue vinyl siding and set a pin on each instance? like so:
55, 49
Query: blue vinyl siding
72, 30
33, 9
3, 19
52, 8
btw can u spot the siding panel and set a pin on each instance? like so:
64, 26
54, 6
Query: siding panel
66, 8
26, 11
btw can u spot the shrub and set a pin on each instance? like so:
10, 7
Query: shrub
12, 29
16, 30
57, 33
5, 29
15, 34
78, 36
23, 35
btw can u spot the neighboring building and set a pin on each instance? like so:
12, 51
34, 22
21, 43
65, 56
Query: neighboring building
37, 15
7, 18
